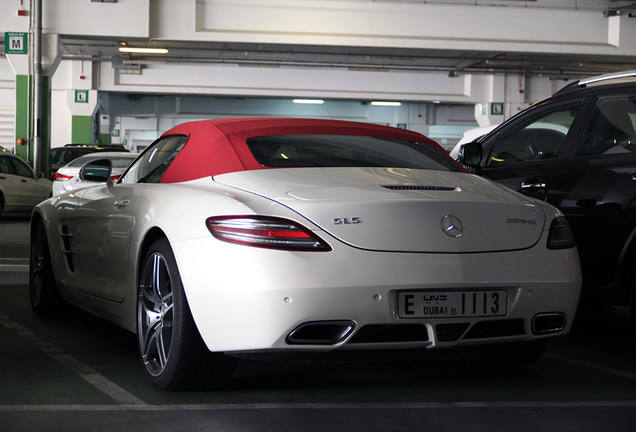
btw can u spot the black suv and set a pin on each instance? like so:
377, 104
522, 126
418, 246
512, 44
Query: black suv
577, 151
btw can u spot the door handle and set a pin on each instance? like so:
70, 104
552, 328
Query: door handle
2, 178
531, 184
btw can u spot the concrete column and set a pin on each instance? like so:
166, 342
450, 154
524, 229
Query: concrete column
507, 96
82, 105
24, 94
75, 103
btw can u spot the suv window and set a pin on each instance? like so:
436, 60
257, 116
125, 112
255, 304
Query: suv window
116, 161
610, 129
62, 156
154, 162
538, 137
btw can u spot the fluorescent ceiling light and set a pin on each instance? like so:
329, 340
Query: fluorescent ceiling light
143, 50
309, 101
382, 103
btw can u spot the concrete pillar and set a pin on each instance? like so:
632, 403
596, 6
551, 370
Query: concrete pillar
82, 106
82, 102
506, 97
24, 89
75, 103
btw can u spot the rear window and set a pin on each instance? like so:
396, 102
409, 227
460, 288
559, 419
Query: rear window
118, 162
64, 156
294, 151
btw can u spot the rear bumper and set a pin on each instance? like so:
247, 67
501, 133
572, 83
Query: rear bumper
246, 299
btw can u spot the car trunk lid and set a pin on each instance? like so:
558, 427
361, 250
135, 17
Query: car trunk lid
402, 210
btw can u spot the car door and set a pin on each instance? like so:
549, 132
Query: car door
100, 226
596, 188
9, 184
32, 192
524, 154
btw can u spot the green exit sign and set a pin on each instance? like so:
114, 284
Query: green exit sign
81, 96
15, 43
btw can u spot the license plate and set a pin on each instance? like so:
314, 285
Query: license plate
451, 304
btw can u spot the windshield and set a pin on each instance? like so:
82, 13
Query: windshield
295, 151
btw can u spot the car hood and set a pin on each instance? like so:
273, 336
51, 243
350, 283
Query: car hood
402, 210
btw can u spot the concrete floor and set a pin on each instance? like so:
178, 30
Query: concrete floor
78, 373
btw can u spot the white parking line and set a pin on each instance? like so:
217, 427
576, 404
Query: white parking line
323, 406
127, 401
12, 274
90, 375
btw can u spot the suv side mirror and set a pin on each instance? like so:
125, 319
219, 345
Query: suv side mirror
471, 154
96, 171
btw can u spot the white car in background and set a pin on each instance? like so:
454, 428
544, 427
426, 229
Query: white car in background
20, 188
275, 238
67, 178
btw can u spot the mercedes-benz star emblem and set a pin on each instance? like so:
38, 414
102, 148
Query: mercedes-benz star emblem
451, 226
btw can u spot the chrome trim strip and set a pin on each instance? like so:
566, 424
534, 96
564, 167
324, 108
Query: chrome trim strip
624, 74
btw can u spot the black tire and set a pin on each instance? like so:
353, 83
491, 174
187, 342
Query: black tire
172, 352
45, 298
511, 356
1, 204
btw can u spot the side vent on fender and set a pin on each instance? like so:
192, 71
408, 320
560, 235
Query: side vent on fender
66, 249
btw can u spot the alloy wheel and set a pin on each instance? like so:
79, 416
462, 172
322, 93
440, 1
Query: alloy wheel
155, 314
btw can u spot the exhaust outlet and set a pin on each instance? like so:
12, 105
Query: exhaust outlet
546, 323
320, 333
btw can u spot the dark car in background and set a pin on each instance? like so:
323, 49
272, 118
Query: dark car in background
577, 151
61, 156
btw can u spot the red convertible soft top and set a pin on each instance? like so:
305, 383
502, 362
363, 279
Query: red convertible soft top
219, 146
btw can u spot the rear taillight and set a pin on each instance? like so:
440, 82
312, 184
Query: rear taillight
115, 177
560, 236
61, 177
265, 232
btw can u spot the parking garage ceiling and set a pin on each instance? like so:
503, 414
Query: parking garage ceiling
453, 62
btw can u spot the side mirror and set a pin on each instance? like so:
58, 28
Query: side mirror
96, 171
471, 154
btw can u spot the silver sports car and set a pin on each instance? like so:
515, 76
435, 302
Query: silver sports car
286, 237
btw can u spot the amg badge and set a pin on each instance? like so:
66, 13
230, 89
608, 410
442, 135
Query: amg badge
521, 221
